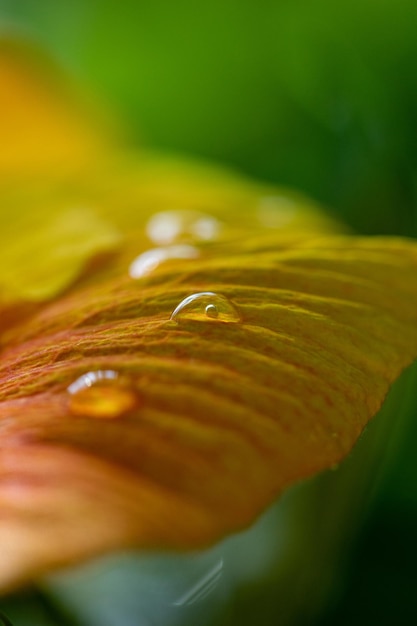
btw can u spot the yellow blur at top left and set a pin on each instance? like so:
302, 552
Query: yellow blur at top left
43, 128
52, 145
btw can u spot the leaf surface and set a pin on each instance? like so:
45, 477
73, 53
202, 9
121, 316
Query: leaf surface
226, 413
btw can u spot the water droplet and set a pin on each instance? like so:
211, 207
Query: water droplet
203, 587
169, 227
148, 261
276, 211
102, 394
205, 306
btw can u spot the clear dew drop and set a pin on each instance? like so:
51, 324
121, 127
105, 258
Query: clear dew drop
169, 227
148, 261
102, 394
205, 306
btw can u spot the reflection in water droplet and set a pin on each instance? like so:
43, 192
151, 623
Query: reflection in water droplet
202, 587
276, 211
168, 227
205, 306
211, 310
148, 261
101, 394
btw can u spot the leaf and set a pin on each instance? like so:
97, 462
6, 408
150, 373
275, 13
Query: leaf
50, 144
45, 254
51, 235
68, 187
121, 426
226, 411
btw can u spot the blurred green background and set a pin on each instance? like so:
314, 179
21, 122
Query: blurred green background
321, 96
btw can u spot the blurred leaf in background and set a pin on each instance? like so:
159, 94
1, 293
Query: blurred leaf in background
320, 96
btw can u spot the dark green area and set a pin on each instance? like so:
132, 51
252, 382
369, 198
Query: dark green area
318, 95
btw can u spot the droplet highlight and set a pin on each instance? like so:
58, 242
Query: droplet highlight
203, 587
148, 261
169, 227
211, 311
206, 306
102, 394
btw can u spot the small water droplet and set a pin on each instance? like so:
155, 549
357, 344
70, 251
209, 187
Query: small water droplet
276, 211
204, 306
168, 227
102, 394
151, 259
203, 587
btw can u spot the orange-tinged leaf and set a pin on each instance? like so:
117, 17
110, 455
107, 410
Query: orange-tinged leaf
229, 408
121, 425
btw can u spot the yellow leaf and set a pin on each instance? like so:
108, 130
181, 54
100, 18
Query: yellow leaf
49, 145
141, 186
42, 254
67, 192
51, 233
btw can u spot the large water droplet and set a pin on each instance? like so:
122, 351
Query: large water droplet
149, 260
203, 587
205, 306
169, 227
102, 394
